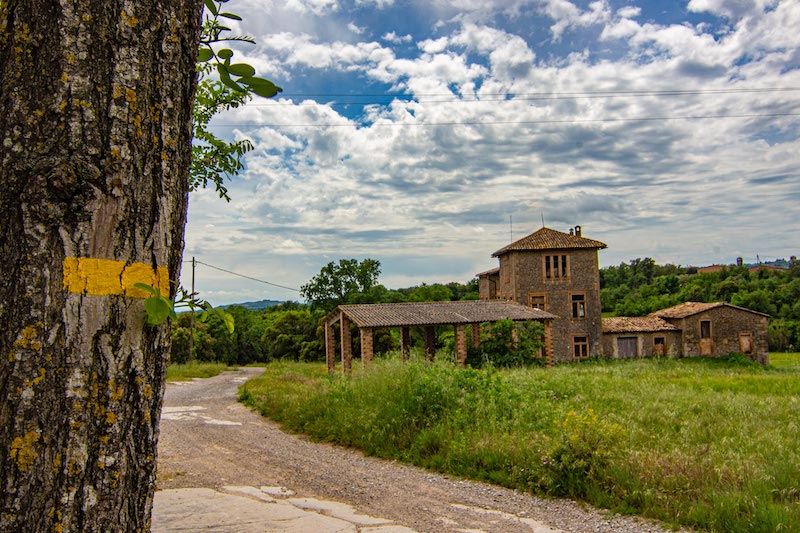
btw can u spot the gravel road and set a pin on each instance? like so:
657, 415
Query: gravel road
209, 440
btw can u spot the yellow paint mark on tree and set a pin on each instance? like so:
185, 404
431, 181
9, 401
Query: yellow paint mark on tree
106, 277
22, 450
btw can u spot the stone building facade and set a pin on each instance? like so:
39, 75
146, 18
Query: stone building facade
646, 336
714, 329
558, 273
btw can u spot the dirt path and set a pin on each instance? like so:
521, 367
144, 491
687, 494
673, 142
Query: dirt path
209, 440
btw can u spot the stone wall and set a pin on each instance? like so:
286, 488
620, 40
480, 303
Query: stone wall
645, 343
727, 323
525, 276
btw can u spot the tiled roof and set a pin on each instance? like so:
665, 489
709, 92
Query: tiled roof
636, 324
692, 308
495, 270
549, 239
438, 313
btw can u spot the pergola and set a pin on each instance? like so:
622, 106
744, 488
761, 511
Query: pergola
427, 315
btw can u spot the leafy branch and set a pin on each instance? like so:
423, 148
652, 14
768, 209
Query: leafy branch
213, 159
159, 308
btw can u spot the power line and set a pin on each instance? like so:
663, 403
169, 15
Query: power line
519, 122
438, 98
247, 277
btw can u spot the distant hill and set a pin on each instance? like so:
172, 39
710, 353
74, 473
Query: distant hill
260, 305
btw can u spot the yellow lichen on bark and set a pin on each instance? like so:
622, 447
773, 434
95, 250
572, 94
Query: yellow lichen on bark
22, 449
28, 339
129, 19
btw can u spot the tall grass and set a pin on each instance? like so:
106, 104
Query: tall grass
704, 443
195, 369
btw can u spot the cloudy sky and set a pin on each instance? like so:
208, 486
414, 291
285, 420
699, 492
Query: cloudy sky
415, 131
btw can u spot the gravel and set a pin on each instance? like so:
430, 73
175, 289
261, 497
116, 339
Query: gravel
209, 440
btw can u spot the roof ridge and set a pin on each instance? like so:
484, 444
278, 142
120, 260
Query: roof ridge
550, 239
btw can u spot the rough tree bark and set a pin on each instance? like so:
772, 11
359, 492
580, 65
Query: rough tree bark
95, 119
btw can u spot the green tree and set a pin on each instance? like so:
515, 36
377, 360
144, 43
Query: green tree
336, 282
96, 106
293, 334
95, 114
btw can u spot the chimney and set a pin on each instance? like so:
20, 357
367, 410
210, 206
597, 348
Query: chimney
577, 231
571, 231
739, 261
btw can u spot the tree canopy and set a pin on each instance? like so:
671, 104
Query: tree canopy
338, 283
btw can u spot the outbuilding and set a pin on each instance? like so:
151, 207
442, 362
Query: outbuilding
642, 336
425, 315
719, 328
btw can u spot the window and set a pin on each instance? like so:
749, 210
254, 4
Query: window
556, 267
578, 305
580, 347
705, 329
746, 342
659, 345
537, 300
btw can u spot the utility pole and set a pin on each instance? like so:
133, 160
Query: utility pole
191, 317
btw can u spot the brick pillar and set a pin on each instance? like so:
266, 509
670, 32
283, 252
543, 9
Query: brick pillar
330, 347
475, 330
347, 345
430, 342
366, 345
548, 342
405, 342
461, 344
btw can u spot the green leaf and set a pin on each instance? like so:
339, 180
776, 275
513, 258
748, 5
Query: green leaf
225, 78
211, 6
261, 87
145, 287
227, 318
225, 53
241, 69
158, 309
204, 54
232, 16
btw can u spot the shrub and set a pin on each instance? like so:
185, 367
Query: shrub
581, 453
509, 344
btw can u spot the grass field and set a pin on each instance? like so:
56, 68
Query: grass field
705, 443
187, 371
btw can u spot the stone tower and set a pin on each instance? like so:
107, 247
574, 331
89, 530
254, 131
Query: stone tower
558, 272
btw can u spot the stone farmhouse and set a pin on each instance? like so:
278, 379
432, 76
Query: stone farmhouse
559, 273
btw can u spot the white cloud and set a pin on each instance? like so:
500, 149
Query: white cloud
355, 29
317, 7
393, 183
567, 15
393, 38
732, 9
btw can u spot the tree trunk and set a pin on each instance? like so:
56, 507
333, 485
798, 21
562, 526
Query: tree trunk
95, 119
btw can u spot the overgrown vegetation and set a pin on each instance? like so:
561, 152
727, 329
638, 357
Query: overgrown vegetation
292, 330
710, 444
